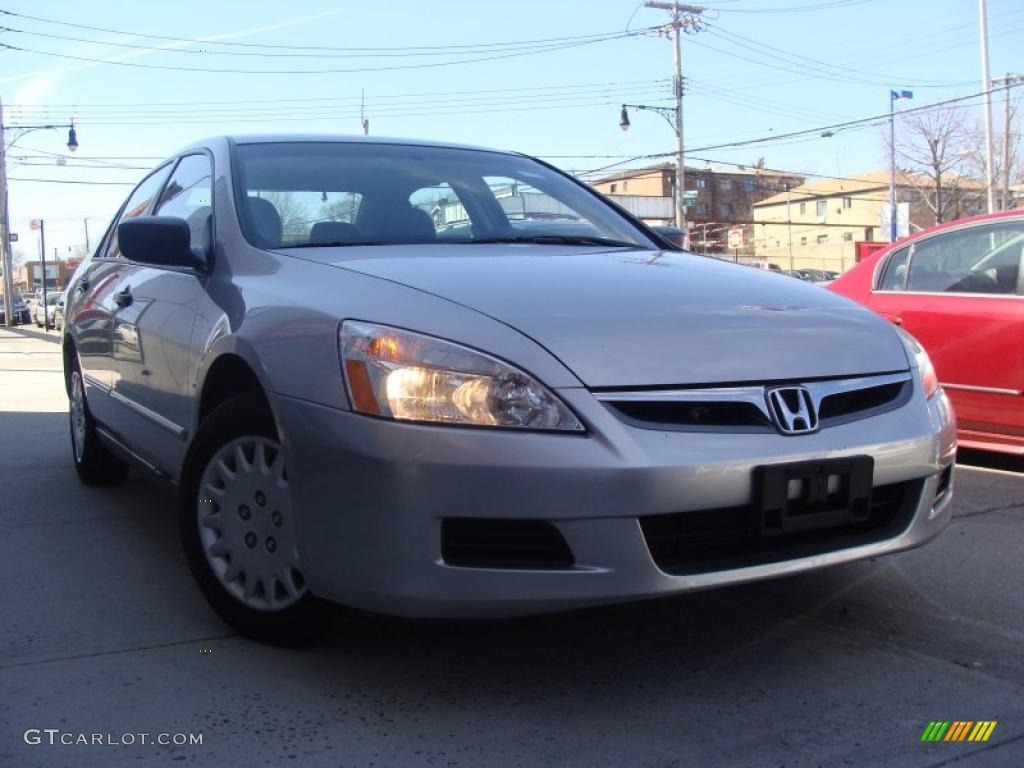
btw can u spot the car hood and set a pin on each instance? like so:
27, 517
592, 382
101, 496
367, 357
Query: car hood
627, 318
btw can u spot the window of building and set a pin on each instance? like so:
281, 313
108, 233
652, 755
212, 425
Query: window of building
847, 237
821, 208
748, 185
702, 183
702, 209
625, 186
725, 210
613, 189
847, 202
869, 234
803, 241
822, 239
725, 185
803, 207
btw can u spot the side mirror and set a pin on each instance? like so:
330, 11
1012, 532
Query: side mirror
163, 241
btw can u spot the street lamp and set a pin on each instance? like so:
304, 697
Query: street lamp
5, 221
671, 115
894, 96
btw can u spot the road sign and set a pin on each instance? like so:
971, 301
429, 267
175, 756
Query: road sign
736, 238
690, 195
12, 237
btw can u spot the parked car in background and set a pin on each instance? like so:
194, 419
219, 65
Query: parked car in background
52, 301
958, 288
21, 313
58, 312
516, 417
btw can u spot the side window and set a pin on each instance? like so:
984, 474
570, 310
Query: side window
985, 259
894, 271
137, 205
189, 196
442, 205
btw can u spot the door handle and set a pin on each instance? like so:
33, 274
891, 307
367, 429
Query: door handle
124, 298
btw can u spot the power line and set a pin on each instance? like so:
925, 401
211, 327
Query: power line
419, 65
202, 41
69, 181
403, 97
329, 53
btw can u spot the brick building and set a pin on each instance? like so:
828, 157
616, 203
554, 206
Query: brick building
724, 198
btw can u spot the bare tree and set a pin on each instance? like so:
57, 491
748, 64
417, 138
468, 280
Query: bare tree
975, 154
931, 158
294, 214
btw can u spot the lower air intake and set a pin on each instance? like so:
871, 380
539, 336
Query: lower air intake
486, 543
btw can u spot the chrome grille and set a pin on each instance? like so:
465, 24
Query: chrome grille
745, 408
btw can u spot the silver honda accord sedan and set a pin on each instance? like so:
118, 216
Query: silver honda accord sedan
435, 380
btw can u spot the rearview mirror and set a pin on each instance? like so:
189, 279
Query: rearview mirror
163, 241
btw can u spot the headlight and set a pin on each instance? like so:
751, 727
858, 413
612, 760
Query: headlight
407, 376
923, 363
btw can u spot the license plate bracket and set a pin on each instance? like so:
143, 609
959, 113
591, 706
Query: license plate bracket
808, 495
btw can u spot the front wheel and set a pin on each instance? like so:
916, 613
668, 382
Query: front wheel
238, 527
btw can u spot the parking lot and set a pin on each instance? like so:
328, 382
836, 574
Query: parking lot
104, 632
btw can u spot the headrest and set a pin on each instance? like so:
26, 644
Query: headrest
266, 221
333, 232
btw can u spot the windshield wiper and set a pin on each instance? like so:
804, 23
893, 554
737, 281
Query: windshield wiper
553, 240
331, 244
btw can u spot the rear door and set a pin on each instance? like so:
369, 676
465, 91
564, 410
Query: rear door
959, 293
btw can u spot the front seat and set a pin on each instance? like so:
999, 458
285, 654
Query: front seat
266, 222
409, 224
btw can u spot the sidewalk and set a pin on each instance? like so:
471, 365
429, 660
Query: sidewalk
31, 371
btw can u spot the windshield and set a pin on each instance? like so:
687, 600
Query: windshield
331, 193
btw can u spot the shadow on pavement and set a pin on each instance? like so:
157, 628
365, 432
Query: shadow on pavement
31, 333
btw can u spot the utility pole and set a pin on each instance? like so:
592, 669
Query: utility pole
987, 86
5, 229
1007, 80
683, 16
363, 120
88, 249
42, 255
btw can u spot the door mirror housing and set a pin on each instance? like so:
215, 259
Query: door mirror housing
163, 241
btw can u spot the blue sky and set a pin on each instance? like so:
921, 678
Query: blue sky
759, 68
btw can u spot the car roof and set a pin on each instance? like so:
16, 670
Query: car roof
299, 138
957, 223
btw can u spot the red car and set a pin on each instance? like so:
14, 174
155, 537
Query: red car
959, 289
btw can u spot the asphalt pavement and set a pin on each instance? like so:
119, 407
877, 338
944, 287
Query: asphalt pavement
104, 633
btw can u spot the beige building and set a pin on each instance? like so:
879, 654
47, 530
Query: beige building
818, 224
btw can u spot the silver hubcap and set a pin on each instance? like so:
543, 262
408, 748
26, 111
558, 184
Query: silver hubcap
77, 415
246, 526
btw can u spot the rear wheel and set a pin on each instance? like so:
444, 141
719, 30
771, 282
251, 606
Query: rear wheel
238, 527
94, 462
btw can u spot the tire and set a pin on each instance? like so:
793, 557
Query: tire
94, 462
231, 538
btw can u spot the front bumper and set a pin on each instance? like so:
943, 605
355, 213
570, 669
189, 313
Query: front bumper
372, 494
